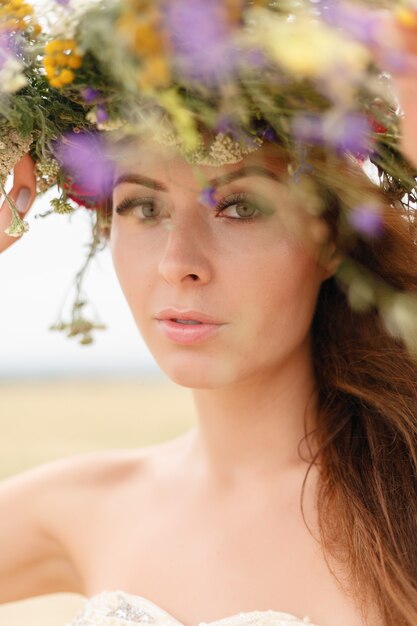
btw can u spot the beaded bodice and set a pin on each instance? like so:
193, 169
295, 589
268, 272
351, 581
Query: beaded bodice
118, 608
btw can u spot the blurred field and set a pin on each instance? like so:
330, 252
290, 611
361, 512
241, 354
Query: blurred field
42, 421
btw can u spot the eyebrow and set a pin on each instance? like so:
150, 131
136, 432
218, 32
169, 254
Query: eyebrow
249, 170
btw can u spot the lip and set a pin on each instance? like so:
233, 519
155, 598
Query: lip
187, 335
175, 314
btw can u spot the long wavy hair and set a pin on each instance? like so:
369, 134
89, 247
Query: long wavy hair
367, 421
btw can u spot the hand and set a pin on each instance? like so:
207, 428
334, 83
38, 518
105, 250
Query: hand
24, 183
401, 30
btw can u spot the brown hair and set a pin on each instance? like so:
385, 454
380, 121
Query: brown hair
367, 422
367, 426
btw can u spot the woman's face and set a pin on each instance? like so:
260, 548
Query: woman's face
242, 263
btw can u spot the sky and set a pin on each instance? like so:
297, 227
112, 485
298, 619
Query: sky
36, 277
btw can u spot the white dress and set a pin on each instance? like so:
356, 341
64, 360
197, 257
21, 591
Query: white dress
118, 608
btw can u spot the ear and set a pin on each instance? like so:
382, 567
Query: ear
329, 259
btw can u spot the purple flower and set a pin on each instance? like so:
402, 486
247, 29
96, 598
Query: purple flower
270, 135
102, 115
201, 39
358, 22
89, 94
349, 132
84, 156
208, 197
255, 59
308, 128
9, 47
365, 219
352, 133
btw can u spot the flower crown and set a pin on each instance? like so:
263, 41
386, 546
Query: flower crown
216, 80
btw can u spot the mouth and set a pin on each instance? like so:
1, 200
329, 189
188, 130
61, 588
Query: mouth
188, 317
189, 322
187, 332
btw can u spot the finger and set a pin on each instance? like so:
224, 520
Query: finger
24, 175
23, 193
6, 214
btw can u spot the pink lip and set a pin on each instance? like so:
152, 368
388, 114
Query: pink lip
176, 314
186, 335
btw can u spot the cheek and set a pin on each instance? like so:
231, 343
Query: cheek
130, 266
278, 290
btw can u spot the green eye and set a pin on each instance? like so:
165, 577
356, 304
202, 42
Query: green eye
147, 205
245, 207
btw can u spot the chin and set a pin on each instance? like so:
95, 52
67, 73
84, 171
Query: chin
197, 371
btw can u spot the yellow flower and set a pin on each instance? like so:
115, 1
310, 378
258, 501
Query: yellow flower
50, 71
182, 118
61, 58
306, 48
68, 44
66, 76
406, 17
74, 61
24, 10
154, 74
53, 46
49, 61
55, 82
146, 39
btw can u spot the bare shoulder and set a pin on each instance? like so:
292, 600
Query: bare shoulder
48, 518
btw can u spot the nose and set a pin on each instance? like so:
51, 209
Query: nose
185, 259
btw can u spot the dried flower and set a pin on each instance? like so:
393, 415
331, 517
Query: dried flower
12, 148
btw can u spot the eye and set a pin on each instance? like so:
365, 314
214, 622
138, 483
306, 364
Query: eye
147, 206
245, 207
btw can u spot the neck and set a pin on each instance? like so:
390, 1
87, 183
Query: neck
251, 430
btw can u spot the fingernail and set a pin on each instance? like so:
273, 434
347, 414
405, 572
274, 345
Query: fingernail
22, 200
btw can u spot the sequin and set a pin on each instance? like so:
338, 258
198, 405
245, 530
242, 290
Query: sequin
118, 608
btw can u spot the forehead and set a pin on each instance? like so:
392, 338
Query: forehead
167, 165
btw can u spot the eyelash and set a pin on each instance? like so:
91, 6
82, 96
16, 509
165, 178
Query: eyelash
129, 203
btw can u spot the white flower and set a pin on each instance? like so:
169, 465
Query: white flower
61, 21
12, 76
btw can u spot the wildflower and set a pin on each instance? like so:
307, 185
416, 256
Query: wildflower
406, 17
155, 73
12, 77
14, 147
201, 39
345, 132
308, 49
208, 197
358, 22
83, 156
89, 94
17, 15
46, 171
105, 123
17, 227
366, 219
102, 115
61, 206
60, 59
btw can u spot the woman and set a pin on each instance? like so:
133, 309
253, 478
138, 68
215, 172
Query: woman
290, 402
